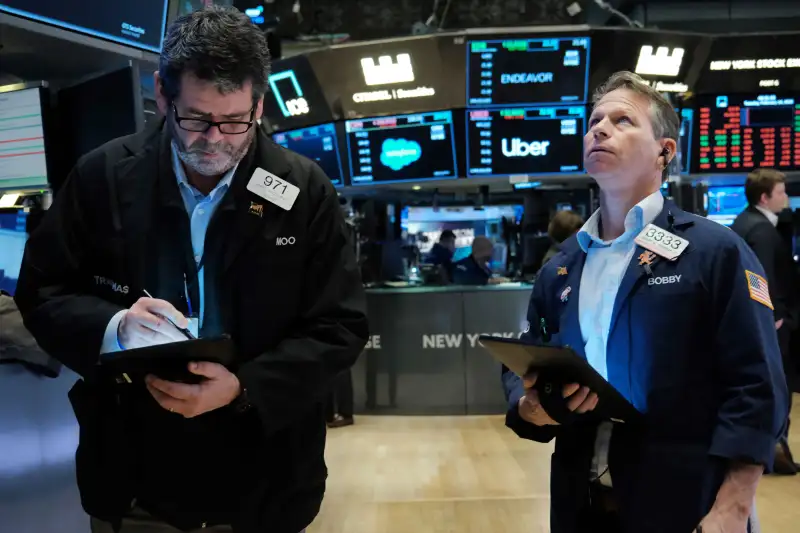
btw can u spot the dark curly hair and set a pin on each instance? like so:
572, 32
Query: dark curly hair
216, 44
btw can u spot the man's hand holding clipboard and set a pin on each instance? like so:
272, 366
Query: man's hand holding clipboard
579, 400
559, 384
185, 375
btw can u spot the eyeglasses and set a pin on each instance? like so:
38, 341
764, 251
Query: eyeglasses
228, 127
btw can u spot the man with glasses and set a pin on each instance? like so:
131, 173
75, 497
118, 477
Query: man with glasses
203, 224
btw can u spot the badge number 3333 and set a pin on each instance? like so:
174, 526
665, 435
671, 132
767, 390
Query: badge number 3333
662, 242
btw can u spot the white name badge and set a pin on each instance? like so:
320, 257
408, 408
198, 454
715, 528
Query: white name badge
661, 242
273, 189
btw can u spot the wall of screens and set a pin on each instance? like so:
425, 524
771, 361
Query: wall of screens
401, 148
318, 143
740, 132
140, 23
526, 105
520, 102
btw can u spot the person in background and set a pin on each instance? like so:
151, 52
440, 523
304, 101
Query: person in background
223, 226
441, 254
475, 269
674, 312
765, 190
339, 405
564, 225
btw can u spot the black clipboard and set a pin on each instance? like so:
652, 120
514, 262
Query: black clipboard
167, 361
561, 365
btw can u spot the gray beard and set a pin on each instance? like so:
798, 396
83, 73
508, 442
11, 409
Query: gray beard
229, 156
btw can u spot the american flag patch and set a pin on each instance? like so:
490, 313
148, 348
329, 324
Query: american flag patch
759, 291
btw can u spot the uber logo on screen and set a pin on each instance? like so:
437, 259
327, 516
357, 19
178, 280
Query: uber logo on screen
662, 63
520, 148
387, 72
291, 105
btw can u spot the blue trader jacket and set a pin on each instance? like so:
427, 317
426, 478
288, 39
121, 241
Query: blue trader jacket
697, 354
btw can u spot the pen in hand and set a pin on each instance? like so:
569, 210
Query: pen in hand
186, 332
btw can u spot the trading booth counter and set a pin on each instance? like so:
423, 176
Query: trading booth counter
423, 355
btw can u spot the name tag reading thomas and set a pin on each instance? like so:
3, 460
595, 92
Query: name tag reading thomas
661, 242
273, 189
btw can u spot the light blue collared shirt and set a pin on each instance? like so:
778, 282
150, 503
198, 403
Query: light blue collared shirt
200, 209
606, 263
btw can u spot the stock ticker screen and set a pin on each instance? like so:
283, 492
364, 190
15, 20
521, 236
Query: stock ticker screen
525, 141
743, 132
401, 148
318, 143
139, 23
527, 71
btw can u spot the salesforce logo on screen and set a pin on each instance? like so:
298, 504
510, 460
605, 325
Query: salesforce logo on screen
399, 153
526, 77
520, 148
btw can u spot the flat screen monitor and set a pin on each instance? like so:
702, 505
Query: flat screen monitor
425, 226
751, 63
665, 60
140, 24
13, 237
740, 132
318, 143
725, 203
386, 77
295, 98
23, 162
685, 139
525, 141
401, 148
87, 122
527, 71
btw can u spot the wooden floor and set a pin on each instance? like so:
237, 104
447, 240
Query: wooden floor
467, 475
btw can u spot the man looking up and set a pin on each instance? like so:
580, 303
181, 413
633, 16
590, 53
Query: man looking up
673, 311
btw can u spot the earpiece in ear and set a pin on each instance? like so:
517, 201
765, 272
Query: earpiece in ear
665, 154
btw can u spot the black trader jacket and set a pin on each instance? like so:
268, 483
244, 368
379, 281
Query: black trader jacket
288, 291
